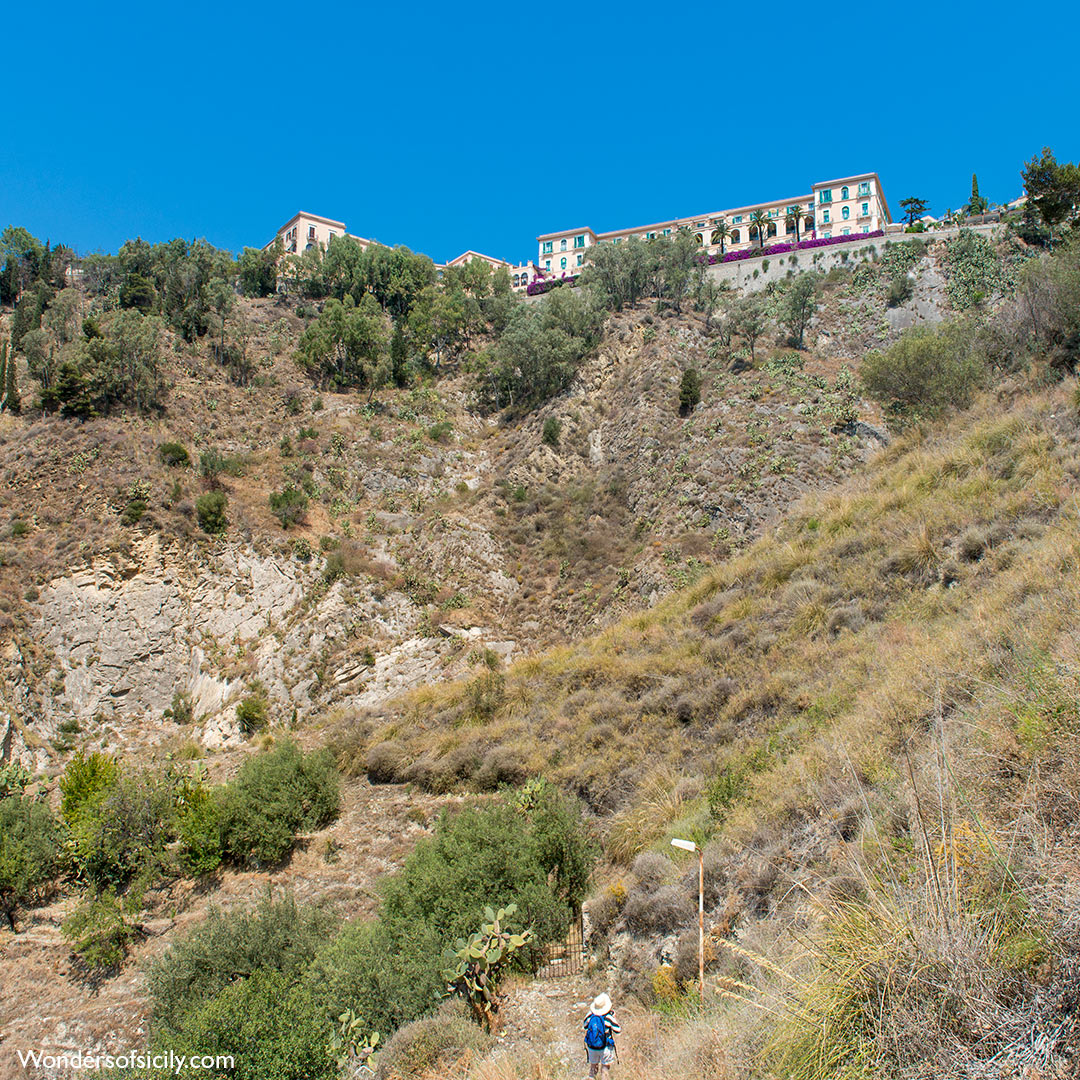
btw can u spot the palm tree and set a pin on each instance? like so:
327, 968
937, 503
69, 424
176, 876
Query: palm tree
760, 220
795, 215
721, 232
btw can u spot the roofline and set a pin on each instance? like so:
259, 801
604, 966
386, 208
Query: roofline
789, 201
563, 232
313, 217
861, 176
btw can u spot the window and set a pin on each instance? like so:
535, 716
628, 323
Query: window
845, 212
808, 224
311, 232
517, 280
562, 247
826, 235
825, 217
845, 232
772, 229
866, 228
580, 259
700, 239
667, 232
579, 241
864, 188
547, 247
865, 209
735, 237
547, 264
753, 232
810, 205
825, 196
844, 193
716, 236
616, 240
562, 262
737, 218
650, 236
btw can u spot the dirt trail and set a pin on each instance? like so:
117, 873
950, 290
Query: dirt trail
544, 1018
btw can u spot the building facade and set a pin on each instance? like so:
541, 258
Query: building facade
842, 207
303, 231
847, 206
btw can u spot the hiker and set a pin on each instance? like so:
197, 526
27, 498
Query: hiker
601, 1027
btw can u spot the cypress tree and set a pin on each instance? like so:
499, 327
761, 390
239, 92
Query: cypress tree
12, 401
3, 375
974, 190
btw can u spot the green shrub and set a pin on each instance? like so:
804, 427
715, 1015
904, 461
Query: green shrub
132, 514
124, 831
900, 290
14, 779
267, 1025
253, 713
29, 851
552, 431
925, 372
97, 931
200, 830
19, 528
277, 794
85, 782
289, 506
388, 974
689, 391
440, 432
182, 709
275, 935
173, 454
210, 510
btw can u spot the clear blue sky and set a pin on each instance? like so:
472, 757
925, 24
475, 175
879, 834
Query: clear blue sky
449, 126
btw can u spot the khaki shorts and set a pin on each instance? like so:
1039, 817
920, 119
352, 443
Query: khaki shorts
601, 1057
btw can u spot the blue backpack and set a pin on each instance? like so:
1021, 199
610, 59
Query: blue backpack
596, 1033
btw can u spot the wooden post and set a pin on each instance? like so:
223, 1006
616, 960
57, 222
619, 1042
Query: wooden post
701, 925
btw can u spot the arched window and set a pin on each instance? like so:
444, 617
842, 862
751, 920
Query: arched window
843, 193
517, 279
562, 246
789, 226
753, 232
772, 229
716, 236
700, 239
845, 213
562, 264
734, 238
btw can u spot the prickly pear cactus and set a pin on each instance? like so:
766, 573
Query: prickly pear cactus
478, 962
354, 1051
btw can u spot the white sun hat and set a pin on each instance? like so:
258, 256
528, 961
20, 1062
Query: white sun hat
601, 1006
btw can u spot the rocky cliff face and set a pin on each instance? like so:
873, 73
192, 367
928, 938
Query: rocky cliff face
435, 540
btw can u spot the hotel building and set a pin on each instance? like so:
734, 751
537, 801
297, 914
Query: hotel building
843, 207
303, 231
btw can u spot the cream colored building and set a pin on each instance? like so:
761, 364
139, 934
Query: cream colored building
521, 274
303, 231
849, 205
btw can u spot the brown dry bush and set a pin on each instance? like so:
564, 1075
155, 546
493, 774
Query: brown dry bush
662, 911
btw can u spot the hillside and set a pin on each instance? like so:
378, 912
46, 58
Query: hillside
441, 532
840, 657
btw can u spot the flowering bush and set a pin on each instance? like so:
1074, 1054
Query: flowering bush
542, 285
780, 249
